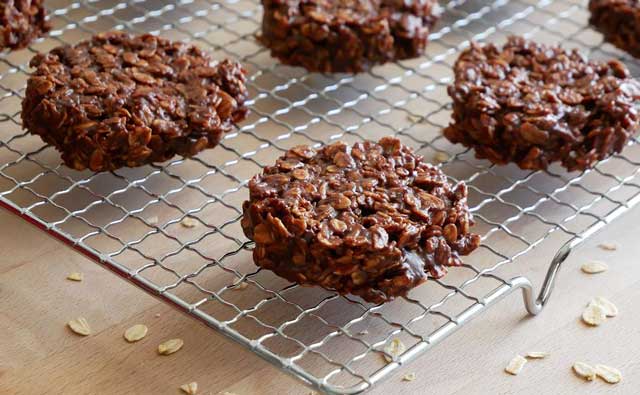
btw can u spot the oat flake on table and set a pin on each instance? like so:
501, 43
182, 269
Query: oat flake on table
594, 315
441, 157
170, 346
610, 309
608, 246
240, 286
135, 333
188, 222
594, 267
414, 118
80, 326
584, 370
75, 276
409, 377
537, 355
190, 388
608, 374
394, 349
515, 365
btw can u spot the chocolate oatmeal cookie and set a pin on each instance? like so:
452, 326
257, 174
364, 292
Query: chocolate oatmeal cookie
534, 104
21, 21
120, 100
619, 22
346, 35
372, 220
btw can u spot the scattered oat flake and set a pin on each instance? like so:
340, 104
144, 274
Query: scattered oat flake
409, 377
191, 388
608, 374
441, 157
75, 276
515, 365
594, 315
135, 333
537, 355
170, 346
189, 222
610, 309
609, 246
584, 370
226, 393
594, 267
414, 118
363, 332
240, 286
394, 348
157, 315
80, 326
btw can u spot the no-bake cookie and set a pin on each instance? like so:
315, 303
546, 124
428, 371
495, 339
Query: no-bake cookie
120, 100
21, 21
346, 35
619, 22
372, 220
535, 104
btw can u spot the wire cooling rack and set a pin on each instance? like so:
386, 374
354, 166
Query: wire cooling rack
129, 221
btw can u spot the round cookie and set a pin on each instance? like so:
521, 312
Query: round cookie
372, 220
120, 100
534, 104
346, 35
21, 21
618, 21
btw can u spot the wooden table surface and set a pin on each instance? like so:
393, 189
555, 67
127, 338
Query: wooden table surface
39, 355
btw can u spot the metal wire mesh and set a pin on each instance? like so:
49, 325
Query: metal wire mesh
130, 220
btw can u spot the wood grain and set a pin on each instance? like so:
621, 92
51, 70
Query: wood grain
39, 355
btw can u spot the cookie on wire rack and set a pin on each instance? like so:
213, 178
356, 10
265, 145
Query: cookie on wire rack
619, 22
373, 220
346, 35
21, 21
535, 104
120, 100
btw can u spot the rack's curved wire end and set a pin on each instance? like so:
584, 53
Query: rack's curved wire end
535, 305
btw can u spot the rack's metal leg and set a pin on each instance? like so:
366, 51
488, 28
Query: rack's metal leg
535, 306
